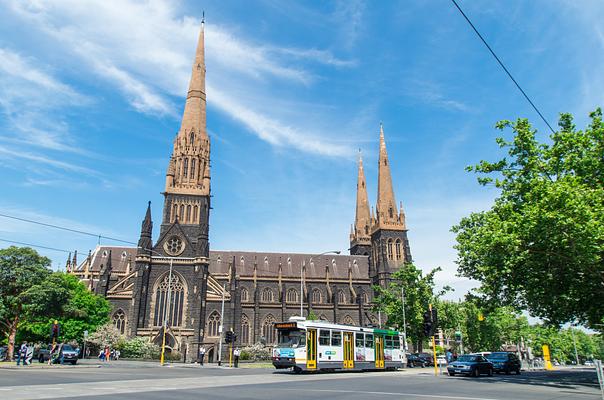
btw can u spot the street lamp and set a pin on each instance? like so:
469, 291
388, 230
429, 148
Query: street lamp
301, 281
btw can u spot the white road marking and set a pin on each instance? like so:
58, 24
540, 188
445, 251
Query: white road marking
432, 396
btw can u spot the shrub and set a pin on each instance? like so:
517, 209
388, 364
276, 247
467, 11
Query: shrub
257, 352
138, 347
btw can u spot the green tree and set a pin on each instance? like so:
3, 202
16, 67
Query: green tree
64, 298
20, 268
541, 245
419, 294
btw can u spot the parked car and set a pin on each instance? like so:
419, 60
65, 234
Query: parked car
414, 361
441, 360
470, 364
3, 352
426, 358
70, 354
505, 362
588, 363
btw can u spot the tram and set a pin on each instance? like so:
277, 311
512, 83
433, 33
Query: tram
317, 345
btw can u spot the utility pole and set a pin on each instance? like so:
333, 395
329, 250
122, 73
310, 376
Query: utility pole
574, 344
404, 320
221, 326
302, 289
167, 311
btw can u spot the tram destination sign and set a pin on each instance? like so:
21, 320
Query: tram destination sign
285, 325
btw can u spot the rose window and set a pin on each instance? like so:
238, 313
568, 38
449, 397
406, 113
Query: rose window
174, 246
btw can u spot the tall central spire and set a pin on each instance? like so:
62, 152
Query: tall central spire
189, 167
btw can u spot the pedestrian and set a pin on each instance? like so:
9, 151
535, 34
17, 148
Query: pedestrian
449, 356
202, 354
102, 355
60, 354
107, 353
22, 353
236, 353
117, 355
52, 353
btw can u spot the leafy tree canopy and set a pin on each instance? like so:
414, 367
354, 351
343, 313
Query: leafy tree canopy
541, 245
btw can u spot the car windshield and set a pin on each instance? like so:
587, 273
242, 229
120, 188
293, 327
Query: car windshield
498, 356
467, 358
295, 338
67, 347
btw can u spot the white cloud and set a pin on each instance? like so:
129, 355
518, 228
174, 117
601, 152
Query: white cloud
145, 50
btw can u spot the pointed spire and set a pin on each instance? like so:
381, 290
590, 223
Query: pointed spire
68, 263
74, 262
144, 242
194, 116
362, 220
386, 203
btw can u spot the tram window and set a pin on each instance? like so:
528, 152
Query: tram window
360, 340
324, 337
336, 338
397, 342
369, 341
292, 339
388, 342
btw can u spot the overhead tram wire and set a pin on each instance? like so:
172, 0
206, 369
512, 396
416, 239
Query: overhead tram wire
66, 229
503, 66
34, 245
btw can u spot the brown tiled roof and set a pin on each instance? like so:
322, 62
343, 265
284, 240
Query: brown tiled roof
267, 264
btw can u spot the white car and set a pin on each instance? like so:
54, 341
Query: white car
441, 360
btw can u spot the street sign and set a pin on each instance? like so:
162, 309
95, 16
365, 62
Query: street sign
85, 334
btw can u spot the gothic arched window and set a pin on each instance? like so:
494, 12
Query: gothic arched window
390, 256
244, 295
188, 219
267, 295
119, 321
169, 301
341, 297
245, 329
292, 296
193, 168
268, 329
317, 296
397, 246
213, 324
182, 212
185, 167
192, 137
195, 213
174, 212
390, 212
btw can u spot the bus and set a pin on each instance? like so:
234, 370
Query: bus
305, 345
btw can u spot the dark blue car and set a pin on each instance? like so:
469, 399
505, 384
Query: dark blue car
471, 365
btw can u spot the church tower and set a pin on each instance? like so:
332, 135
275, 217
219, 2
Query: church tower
360, 235
187, 192
389, 243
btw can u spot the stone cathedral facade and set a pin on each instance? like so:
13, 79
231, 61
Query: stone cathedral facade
178, 279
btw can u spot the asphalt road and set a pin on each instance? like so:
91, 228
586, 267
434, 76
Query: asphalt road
127, 381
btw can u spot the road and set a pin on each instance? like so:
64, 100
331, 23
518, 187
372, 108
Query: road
140, 381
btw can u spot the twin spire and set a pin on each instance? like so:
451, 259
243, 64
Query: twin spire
386, 215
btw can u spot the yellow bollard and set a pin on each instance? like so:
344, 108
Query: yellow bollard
546, 358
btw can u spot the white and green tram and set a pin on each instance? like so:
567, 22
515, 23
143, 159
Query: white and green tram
317, 345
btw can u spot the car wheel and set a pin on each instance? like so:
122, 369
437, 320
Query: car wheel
508, 372
73, 362
41, 359
451, 373
490, 373
475, 373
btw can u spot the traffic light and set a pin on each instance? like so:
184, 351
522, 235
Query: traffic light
55, 330
230, 337
428, 323
458, 336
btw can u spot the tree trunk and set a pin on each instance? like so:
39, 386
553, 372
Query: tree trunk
12, 333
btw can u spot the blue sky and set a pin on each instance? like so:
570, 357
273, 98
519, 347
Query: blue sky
91, 95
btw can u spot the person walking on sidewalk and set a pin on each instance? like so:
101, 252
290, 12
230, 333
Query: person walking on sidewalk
202, 354
22, 354
236, 353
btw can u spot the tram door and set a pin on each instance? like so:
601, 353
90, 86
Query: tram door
379, 351
348, 350
311, 349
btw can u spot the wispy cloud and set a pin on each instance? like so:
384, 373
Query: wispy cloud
145, 50
433, 94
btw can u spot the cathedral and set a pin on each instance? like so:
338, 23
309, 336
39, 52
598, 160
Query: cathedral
182, 284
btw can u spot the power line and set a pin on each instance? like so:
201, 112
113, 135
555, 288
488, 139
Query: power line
34, 245
503, 66
66, 229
